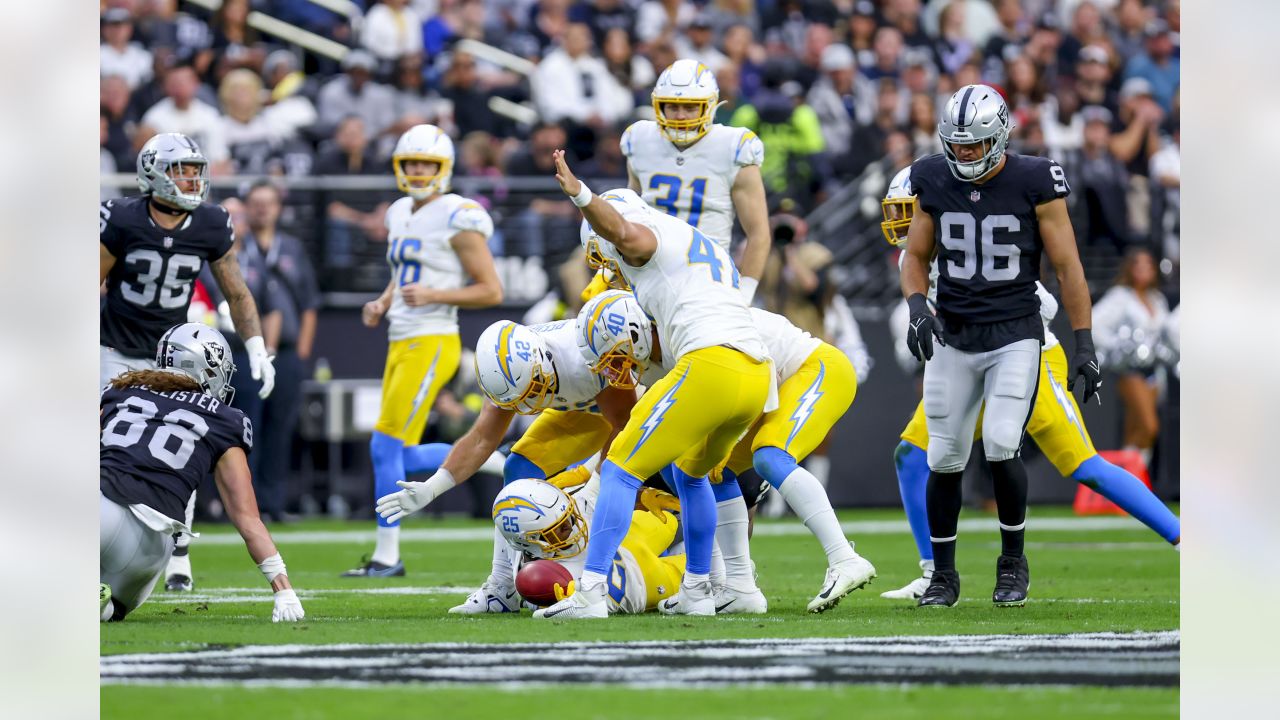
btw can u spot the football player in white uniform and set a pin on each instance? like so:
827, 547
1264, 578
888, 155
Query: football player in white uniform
702, 172
527, 370
721, 380
435, 241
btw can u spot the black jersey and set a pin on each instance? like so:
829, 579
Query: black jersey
149, 288
988, 243
156, 448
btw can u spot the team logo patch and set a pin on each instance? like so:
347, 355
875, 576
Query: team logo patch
168, 242
975, 196
680, 160
214, 355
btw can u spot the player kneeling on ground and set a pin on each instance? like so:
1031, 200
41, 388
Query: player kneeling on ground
543, 522
163, 431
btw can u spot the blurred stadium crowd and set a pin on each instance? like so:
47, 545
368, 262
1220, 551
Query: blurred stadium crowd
843, 93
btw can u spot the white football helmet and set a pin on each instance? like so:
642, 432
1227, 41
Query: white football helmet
686, 82
201, 353
615, 337
898, 206
161, 163
974, 114
627, 202
430, 144
514, 368
539, 519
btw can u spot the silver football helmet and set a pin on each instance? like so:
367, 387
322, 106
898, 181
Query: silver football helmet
165, 161
201, 353
974, 114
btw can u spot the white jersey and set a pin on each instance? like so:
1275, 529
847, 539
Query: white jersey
627, 592
576, 386
693, 184
689, 287
419, 250
788, 345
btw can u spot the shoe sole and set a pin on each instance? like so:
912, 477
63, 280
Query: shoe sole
940, 605
1015, 603
834, 601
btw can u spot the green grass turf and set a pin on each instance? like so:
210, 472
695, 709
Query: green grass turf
1106, 580
880, 702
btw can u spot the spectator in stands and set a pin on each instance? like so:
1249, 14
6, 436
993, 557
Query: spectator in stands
888, 52
296, 296
1136, 138
863, 22
656, 18
834, 98
904, 16
747, 56
1061, 121
106, 161
869, 139
796, 277
290, 93
121, 121
1127, 321
924, 125
181, 111
603, 17
471, 111
730, 93
160, 25
249, 133
118, 54
698, 43
1086, 29
355, 93
573, 84
479, 156
1012, 31
351, 215
391, 29
953, 47
1166, 175
790, 129
632, 71
607, 162
1024, 91
550, 21
1131, 20
662, 53
1100, 184
1093, 77
232, 36
415, 103
919, 75
1157, 64
546, 224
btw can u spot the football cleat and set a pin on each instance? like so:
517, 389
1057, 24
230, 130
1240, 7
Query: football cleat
914, 589
697, 599
588, 603
841, 580
729, 602
1013, 579
104, 599
178, 583
943, 590
177, 574
373, 568
490, 598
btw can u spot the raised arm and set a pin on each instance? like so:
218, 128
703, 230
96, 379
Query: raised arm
1060, 245
636, 242
752, 209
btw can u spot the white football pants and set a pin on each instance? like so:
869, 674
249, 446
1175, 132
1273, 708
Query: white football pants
131, 556
957, 383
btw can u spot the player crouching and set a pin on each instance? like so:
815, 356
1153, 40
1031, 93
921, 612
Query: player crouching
542, 522
163, 431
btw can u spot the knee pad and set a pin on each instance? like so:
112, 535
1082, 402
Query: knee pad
774, 464
519, 467
1002, 440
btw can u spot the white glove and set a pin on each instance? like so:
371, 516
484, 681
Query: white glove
288, 607
260, 367
413, 496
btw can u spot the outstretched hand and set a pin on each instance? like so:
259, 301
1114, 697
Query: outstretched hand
570, 184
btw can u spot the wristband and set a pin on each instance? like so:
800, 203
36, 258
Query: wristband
747, 286
918, 304
583, 198
272, 567
255, 345
439, 483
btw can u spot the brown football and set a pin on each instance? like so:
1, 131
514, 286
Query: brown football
536, 581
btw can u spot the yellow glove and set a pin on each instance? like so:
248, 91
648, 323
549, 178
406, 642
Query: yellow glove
716, 476
597, 285
561, 592
659, 503
572, 477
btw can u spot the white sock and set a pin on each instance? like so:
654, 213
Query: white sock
183, 539
717, 566
820, 467
108, 611
693, 579
591, 581
178, 565
809, 501
387, 549
735, 546
503, 573
495, 464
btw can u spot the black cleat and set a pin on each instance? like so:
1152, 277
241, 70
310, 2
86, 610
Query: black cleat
178, 583
370, 568
943, 590
1013, 579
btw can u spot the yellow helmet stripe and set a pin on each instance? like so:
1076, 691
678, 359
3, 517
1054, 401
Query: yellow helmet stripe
515, 503
504, 352
595, 317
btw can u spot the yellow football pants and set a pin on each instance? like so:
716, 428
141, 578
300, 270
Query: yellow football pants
558, 438
647, 538
416, 369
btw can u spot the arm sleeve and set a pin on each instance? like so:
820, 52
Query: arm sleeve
470, 216
748, 150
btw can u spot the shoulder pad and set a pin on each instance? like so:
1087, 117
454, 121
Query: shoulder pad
468, 215
748, 150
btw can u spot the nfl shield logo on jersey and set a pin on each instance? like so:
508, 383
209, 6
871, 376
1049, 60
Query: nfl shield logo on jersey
975, 196
168, 242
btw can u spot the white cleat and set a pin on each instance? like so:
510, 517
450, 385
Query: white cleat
914, 589
691, 600
729, 602
841, 580
490, 598
587, 603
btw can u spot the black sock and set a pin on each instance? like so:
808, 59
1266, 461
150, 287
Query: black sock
942, 498
1009, 478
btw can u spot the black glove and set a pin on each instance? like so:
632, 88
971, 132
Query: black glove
924, 326
1084, 366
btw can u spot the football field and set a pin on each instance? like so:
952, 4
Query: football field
1099, 637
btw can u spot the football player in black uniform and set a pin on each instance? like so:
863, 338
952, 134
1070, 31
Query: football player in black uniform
163, 431
152, 247
987, 214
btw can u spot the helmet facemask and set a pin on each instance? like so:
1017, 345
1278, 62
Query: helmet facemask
897, 218
421, 187
688, 130
537, 396
597, 261
992, 151
168, 180
565, 538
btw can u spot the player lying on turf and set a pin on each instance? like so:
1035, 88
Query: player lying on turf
1056, 425
817, 386
534, 370
542, 521
163, 431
